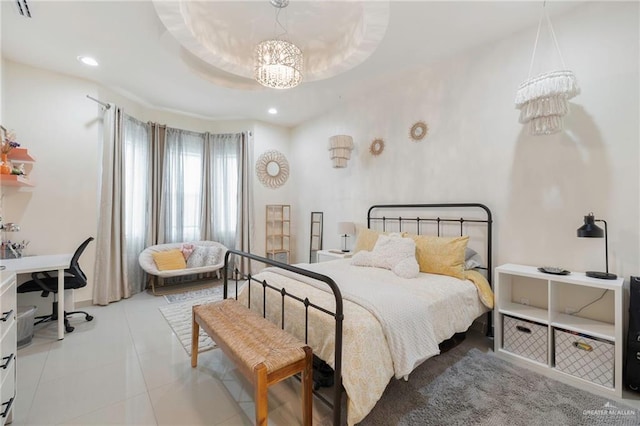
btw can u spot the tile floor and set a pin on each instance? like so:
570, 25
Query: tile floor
127, 368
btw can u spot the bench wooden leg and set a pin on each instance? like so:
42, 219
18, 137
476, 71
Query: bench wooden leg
307, 388
195, 334
261, 395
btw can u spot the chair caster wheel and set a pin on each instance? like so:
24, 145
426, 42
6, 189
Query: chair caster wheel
69, 329
89, 318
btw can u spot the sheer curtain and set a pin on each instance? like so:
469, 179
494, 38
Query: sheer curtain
183, 186
223, 153
137, 173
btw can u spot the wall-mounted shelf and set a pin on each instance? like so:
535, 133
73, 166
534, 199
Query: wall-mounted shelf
20, 155
15, 180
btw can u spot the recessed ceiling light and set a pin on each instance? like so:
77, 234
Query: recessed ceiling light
273, 111
88, 60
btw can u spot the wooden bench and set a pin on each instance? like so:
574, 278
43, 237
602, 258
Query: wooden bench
264, 353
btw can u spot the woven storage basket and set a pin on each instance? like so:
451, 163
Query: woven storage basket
525, 338
585, 357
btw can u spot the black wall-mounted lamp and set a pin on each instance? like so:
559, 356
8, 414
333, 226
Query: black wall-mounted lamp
591, 230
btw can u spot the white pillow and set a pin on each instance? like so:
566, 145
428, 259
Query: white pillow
203, 256
391, 252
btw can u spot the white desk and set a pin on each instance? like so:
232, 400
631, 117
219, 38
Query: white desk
51, 262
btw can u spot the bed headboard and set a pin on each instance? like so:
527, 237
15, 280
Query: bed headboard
473, 219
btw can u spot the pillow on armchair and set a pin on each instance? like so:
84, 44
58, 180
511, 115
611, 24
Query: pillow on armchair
170, 259
204, 256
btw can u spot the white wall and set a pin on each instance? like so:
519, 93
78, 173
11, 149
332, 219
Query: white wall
268, 137
538, 188
62, 129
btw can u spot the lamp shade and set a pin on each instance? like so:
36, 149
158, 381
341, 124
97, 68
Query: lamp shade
346, 228
590, 229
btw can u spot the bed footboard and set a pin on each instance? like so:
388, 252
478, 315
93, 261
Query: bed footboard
337, 314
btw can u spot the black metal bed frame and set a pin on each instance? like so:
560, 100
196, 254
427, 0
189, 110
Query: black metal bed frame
338, 315
399, 220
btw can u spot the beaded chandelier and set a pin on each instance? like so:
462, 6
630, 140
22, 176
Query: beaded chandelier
278, 63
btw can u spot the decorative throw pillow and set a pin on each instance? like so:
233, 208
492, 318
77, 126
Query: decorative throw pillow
365, 239
203, 256
187, 249
391, 252
170, 259
441, 255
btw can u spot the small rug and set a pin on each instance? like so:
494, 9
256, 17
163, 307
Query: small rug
481, 389
214, 291
179, 316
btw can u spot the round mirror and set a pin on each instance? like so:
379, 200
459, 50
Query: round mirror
273, 169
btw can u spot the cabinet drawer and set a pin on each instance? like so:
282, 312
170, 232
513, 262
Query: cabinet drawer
585, 357
8, 353
8, 312
8, 393
525, 338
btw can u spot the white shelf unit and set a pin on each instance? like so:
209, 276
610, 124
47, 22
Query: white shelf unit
524, 293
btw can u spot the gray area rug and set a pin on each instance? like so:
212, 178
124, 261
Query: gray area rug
178, 314
477, 388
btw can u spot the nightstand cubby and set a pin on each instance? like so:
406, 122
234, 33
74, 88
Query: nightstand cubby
537, 325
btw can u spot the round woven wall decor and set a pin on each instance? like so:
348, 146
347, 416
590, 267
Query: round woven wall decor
418, 131
377, 146
272, 169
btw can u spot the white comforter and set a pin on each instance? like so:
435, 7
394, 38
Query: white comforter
405, 319
391, 324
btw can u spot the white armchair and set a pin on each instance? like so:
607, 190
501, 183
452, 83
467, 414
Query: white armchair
214, 260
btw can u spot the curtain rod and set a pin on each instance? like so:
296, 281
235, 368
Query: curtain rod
106, 106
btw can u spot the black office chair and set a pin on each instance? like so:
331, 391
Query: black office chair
47, 282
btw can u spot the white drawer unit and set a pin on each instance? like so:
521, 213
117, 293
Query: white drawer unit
569, 327
8, 346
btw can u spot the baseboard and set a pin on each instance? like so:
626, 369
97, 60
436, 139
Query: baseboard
82, 304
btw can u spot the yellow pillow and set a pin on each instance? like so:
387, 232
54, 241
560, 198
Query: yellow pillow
366, 239
441, 255
170, 259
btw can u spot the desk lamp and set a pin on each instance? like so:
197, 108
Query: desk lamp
591, 230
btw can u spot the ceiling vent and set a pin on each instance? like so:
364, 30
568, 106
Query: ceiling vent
23, 8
